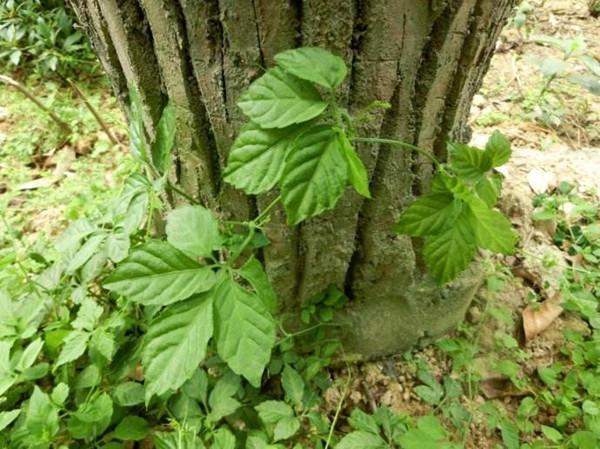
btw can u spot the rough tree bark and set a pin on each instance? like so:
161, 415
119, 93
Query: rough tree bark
426, 58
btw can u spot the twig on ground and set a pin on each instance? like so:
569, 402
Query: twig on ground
14, 83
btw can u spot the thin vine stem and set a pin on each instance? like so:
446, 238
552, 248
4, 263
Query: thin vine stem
258, 220
401, 144
175, 189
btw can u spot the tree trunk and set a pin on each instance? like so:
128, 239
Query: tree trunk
426, 58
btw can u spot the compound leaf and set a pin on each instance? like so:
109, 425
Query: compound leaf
498, 149
493, 230
315, 174
278, 99
176, 344
468, 162
156, 273
245, 331
314, 64
257, 157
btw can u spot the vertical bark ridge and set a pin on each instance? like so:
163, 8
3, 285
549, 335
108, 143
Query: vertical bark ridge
134, 47
436, 78
278, 29
475, 59
195, 147
326, 242
383, 260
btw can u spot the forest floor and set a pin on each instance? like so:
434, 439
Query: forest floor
524, 354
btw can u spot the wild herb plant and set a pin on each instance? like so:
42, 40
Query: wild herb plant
121, 335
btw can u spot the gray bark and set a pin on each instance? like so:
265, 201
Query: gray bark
426, 58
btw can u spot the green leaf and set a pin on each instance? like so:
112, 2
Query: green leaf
510, 434
29, 355
272, 412
223, 439
88, 315
257, 157
129, 393
468, 162
313, 64
117, 245
286, 428
362, 440
429, 215
137, 137
451, 251
277, 100
165, 139
488, 189
245, 331
158, 274
584, 439
85, 252
359, 420
315, 174
6, 418
552, 434
88, 378
254, 273
357, 173
41, 420
176, 344
193, 230
197, 386
60, 393
293, 385
91, 418
498, 149
132, 428
221, 400
177, 440
493, 231
74, 347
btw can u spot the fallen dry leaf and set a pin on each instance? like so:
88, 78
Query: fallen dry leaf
36, 184
536, 320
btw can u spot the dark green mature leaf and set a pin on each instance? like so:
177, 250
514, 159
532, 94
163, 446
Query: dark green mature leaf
128, 394
193, 230
451, 251
245, 331
257, 157
492, 230
315, 174
362, 440
222, 402
293, 385
278, 99
177, 440
468, 162
165, 139
357, 172
498, 148
429, 214
158, 274
286, 428
74, 347
41, 420
273, 411
313, 64
254, 273
176, 344
137, 137
223, 439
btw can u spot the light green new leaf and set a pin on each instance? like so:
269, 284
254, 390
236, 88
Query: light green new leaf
313, 64
117, 245
177, 440
293, 385
86, 251
488, 189
257, 156
254, 273
41, 419
74, 347
193, 230
357, 173
450, 252
165, 139
176, 344
91, 418
128, 394
88, 315
221, 400
362, 440
278, 99
132, 428
156, 273
315, 174
493, 231
30, 354
60, 393
468, 162
197, 386
286, 428
245, 331
429, 214
137, 137
6, 418
498, 149
223, 439
272, 412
